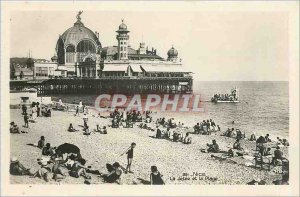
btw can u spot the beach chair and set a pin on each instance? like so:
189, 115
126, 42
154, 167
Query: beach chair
262, 162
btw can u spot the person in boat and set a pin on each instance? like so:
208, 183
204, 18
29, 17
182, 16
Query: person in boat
114, 173
78, 169
47, 150
156, 177
187, 139
14, 128
213, 148
41, 142
16, 168
278, 155
24, 109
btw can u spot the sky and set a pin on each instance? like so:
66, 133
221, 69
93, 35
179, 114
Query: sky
215, 46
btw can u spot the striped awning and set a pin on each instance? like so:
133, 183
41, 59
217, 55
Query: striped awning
115, 68
165, 68
136, 68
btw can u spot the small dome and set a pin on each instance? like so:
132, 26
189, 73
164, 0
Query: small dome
122, 26
172, 52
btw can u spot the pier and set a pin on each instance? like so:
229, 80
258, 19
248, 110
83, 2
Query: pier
112, 85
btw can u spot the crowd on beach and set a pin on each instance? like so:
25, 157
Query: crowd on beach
65, 160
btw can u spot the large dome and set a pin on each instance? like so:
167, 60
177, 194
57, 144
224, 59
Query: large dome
77, 33
76, 43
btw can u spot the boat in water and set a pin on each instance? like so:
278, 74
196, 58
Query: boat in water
233, 97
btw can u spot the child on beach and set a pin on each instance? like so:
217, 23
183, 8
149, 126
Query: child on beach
155, 177
85, 120
41, 142
77, 111
187, 139
26, 118
47, 150
14, 128
24, 109
129, 157
104, 130
87, 131
71, 128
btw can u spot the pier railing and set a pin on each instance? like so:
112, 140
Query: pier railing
121, 84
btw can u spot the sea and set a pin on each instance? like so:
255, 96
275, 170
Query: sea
263, 107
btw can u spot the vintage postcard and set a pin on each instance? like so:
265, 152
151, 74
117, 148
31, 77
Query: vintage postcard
150, 98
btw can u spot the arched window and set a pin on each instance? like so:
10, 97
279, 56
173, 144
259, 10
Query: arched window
70, 48
70, 53
85, 46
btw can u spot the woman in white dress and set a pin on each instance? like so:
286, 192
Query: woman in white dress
34, 113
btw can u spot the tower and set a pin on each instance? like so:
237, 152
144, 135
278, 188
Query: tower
123, 39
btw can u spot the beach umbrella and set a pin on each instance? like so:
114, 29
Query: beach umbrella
68, 148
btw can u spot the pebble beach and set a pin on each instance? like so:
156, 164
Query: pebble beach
178, 163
